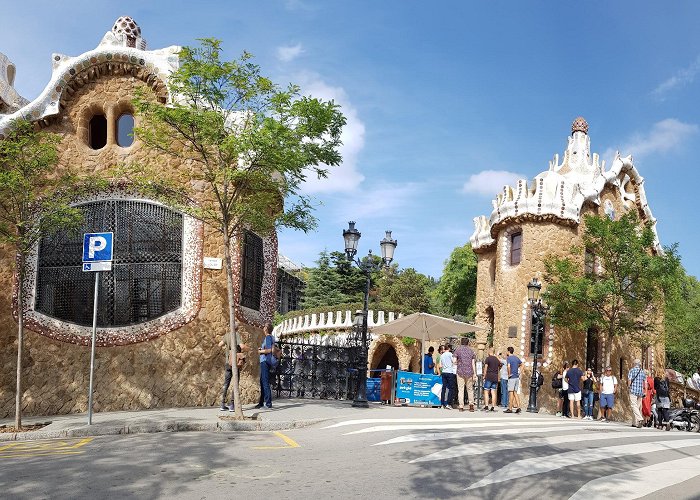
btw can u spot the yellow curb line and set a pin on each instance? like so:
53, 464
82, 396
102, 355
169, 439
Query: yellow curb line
45, 454
290, 443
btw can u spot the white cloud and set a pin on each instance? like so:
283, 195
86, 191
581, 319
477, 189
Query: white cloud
490, 182
345, 177
287, 53
665, 136
682, 78
385, 200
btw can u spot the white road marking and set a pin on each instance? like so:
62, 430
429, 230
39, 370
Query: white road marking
439, 436
364, 421
547, 463
640, 482
473, 424
473, 449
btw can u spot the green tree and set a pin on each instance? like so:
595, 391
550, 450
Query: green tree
408, 289
456, 290
323, 286
682, 324
247, 144
623, 295
34, 202
352, 279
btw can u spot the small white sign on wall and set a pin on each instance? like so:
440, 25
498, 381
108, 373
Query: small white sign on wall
212, 263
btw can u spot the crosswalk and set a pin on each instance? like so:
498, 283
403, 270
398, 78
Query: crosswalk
627, 463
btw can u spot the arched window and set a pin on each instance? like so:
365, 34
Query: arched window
97, 131
125, 130
146, 280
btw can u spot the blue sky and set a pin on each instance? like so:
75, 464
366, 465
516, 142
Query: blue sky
445, 101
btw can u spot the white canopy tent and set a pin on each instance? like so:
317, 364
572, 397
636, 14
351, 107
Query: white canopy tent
424, 326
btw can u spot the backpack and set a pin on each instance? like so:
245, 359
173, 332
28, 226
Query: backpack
276, 351
557, 383
540, 379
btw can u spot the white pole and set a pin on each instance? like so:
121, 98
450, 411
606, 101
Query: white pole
92, 347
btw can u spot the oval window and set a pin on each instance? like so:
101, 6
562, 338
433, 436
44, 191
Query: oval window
125, 130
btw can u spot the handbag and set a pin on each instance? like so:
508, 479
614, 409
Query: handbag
557, 382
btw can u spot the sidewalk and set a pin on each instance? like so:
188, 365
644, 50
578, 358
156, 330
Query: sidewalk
285, 414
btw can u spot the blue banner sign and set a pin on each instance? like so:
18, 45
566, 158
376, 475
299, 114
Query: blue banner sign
414, 388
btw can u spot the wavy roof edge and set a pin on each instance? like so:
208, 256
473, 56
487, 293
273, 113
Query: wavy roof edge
121, 48
558, 194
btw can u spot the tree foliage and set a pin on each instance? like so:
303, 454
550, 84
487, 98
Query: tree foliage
624, 295
246, 144
407, 288
456, 291
323, 286
682, 324
34, 202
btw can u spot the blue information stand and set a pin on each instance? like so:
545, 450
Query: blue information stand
417, 389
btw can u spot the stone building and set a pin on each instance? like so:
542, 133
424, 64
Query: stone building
163, 308
530, 221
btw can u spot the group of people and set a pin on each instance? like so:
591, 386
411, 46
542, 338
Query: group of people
459, 368
578, 390
267, 363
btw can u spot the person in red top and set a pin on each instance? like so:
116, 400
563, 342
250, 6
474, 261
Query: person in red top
649, 394
466, 366
493, 364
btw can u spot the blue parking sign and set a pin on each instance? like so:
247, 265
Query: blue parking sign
97, 247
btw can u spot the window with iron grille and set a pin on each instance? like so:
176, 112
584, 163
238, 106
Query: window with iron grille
146, 280
253, 270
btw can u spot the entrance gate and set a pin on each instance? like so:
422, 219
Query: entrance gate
311, 369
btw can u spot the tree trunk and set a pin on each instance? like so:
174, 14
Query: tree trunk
20, 341
232, 325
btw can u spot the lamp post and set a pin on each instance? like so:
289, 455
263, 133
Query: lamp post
367, 266
538, 312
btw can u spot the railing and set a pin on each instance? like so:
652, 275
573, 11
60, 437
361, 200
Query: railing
338, 320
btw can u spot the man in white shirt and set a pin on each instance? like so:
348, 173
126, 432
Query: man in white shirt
449, 377
608, 389
696, 379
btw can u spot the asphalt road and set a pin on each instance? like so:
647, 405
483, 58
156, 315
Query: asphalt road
463, 456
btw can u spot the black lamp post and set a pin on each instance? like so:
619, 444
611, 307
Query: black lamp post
367, 266
538, 312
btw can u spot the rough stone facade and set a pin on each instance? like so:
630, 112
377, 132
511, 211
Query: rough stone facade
181, 363
501, 298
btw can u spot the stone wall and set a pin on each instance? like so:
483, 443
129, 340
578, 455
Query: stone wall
183, 367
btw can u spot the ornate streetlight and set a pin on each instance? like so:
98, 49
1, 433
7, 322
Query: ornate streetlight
539, 311
367, 266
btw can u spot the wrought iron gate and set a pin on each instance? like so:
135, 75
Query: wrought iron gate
315, 367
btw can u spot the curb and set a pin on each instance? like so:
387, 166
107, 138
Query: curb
112, 430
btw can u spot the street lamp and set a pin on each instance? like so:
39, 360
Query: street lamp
538, 312
367, 266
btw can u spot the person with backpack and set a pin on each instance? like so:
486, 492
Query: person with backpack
267, 362
608, 389
663, 399
228, 371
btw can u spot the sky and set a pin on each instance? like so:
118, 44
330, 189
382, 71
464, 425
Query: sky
445, 101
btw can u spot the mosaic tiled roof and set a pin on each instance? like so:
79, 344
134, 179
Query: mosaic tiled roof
558, 194
121, 50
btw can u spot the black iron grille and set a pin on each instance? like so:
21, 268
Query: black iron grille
253, 270
146, 280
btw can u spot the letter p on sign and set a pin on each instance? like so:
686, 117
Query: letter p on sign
97, 247
96, 244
